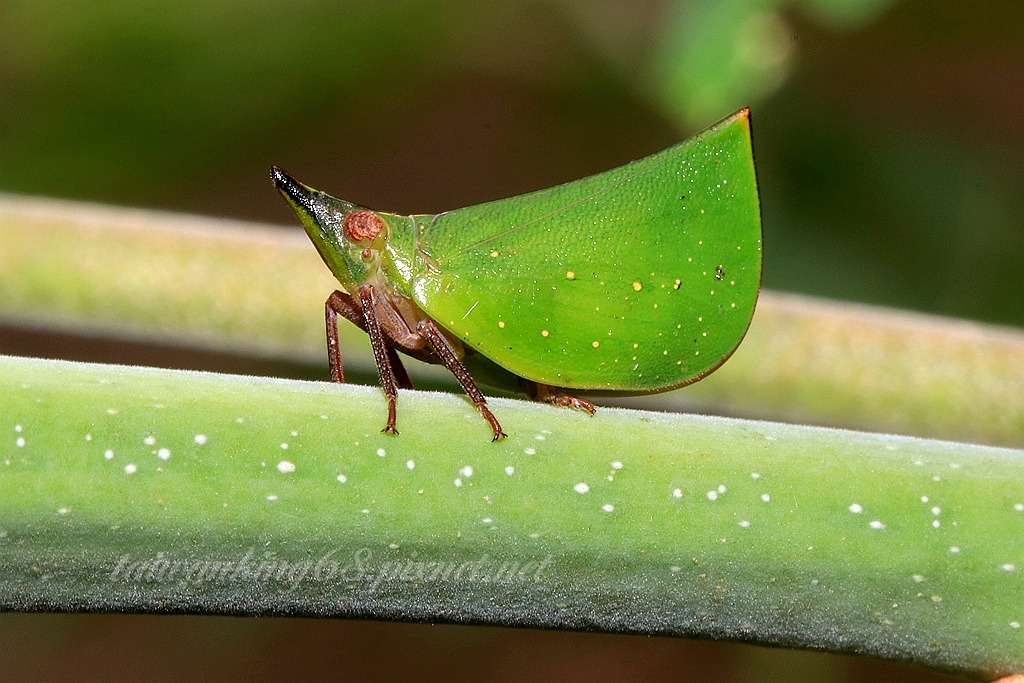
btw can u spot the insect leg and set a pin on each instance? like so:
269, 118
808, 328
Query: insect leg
401, 376
439, 345
340, 302
367, 297
545, 393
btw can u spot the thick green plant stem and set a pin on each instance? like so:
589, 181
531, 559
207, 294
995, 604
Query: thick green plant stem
135, 489
257, 289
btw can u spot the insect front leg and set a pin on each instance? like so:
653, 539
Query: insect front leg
341, 303
440, 346
545, 393
368, 298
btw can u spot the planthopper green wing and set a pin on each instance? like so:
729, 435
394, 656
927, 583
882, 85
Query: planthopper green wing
641, 278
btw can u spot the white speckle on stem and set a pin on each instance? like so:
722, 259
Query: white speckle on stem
954, 549
486, 520
88, 437
63, 511
381, 452
721, 488
744, 523
530, 451
1019, 507
510, 470
1008, 567
201, 439
149, 440
581, 487
18, 428
411, 464
755, 475
466, 471
765, 497
130, 468
285, 466
271, 497
458, 483
876, 524
20, 442
936, 523
284, 447
616, 465
608, 507
108, 454
164, 453
1014, 624
855, 508
917, 578
712, 495
936, 510
342, 478
677, 493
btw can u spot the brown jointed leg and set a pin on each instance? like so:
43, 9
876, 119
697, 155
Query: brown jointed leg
440, 346
367, 297
341, 303
338, 302
545, 393
401, 376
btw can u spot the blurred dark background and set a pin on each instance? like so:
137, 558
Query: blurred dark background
888, 135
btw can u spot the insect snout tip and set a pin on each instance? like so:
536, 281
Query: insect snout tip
280, 178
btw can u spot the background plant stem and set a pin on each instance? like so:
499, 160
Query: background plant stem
259, 290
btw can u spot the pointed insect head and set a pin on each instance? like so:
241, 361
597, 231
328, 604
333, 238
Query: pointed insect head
350, 238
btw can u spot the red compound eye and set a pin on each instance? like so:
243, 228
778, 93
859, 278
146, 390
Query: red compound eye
362, 225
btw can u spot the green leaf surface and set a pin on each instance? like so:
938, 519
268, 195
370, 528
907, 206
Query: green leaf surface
135, 489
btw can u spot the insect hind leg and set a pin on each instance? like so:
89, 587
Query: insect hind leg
545, 393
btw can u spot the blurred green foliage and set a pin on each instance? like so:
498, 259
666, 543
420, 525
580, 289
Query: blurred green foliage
888, 133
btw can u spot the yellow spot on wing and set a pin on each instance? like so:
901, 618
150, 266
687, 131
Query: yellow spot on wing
569, 275
596, 344
543, 333
637, 286
494, 254
501, 323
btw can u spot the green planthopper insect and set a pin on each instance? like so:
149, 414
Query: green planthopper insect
639, 279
